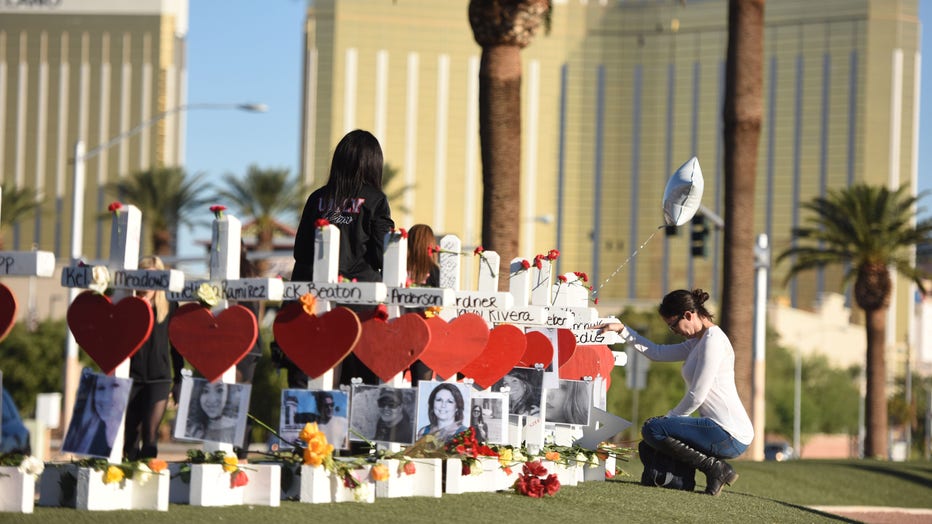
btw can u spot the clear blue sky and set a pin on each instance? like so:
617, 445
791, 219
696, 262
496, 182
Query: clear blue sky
251, 51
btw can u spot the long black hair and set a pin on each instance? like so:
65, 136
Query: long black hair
357, 162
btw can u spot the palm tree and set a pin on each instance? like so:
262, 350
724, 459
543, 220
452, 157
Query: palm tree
16, 203
742, 114
166, 196
389, 173
869, 230
502, 28
263, 196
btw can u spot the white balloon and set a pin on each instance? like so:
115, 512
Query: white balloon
683, 194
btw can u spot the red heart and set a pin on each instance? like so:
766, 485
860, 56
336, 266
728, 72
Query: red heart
454, 344
316, 343
387, 348
539, 350
7, 310
566, 342
110, 333
506, 345
212, 344
589, 361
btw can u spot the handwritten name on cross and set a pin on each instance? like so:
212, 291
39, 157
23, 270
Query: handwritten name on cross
487, 301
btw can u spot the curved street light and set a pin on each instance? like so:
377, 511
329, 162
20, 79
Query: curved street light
81, 156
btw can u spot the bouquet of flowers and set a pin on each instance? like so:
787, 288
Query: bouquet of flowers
535, 482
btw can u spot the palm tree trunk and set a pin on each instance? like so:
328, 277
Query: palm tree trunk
162, 242
742, 123
500, 140
875, 398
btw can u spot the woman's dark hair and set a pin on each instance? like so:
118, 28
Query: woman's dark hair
457, 397
421, 260
678, 302
357, 162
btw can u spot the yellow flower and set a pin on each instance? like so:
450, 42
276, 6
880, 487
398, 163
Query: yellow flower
309, 303
309, 432
230, 463
207, 295
432, 311
552, 456
113, 474
504, 456
379, 472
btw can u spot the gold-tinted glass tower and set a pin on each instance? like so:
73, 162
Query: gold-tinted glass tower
85, 70
615, 97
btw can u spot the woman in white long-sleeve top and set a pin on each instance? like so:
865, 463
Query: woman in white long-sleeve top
722, 429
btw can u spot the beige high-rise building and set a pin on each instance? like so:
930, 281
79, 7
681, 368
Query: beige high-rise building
91, 71
615, 98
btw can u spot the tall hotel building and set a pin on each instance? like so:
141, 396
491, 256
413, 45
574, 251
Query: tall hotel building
615, 98
87, 70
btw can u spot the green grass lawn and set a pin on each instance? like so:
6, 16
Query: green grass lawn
766, 492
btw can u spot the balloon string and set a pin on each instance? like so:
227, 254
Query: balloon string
625, 263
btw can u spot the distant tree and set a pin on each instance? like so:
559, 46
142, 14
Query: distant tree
263, 196
17, 204
167, 198
502, 28
869, 230
32, 362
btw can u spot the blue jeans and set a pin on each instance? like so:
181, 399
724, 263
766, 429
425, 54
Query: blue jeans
701, 434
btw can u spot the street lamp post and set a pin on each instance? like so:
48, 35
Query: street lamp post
81, 156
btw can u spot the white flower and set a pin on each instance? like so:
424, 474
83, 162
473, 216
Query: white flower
207, 295
361, 492
100, 279
476, 468
581, 458
594, 461
143, 474
32, 466
518, 457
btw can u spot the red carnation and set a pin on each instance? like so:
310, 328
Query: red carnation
238, 478
381, 312
218, 208
114, 207
553, 254
562, 278
537, 262
525, 264
551, 484
581, 276
478, 251
321, 222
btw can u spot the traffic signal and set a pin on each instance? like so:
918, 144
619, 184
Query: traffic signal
698, 232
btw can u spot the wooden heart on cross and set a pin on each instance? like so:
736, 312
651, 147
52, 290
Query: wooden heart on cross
539, 350
588, 361
566, 345
7, 310
454, 344
506, 345
110, 333
389, 347
316, 343
212, 344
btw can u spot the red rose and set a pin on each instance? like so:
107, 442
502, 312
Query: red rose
114, 207
534, 468
238, 478
409, 468
551, 484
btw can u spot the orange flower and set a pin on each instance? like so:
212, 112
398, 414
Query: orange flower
379, 472
309, 303
157, 465
312, 458
238, 478
552, 456
409, 468
310, 429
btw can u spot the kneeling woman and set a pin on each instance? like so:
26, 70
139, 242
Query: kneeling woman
723, 428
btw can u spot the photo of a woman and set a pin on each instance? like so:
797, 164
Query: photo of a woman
525, 390
570, 403
98, 412
477, 422
213, 411
445, 408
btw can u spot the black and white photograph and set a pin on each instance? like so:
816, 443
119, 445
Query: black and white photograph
570, 403
383, 413
525, 390
442, 409
328, 408
98, 413
212, 411
488, 416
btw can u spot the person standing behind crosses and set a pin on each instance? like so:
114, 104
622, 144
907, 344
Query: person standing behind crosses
723, 428
423, 271
353, 201
152, 369
246, 367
